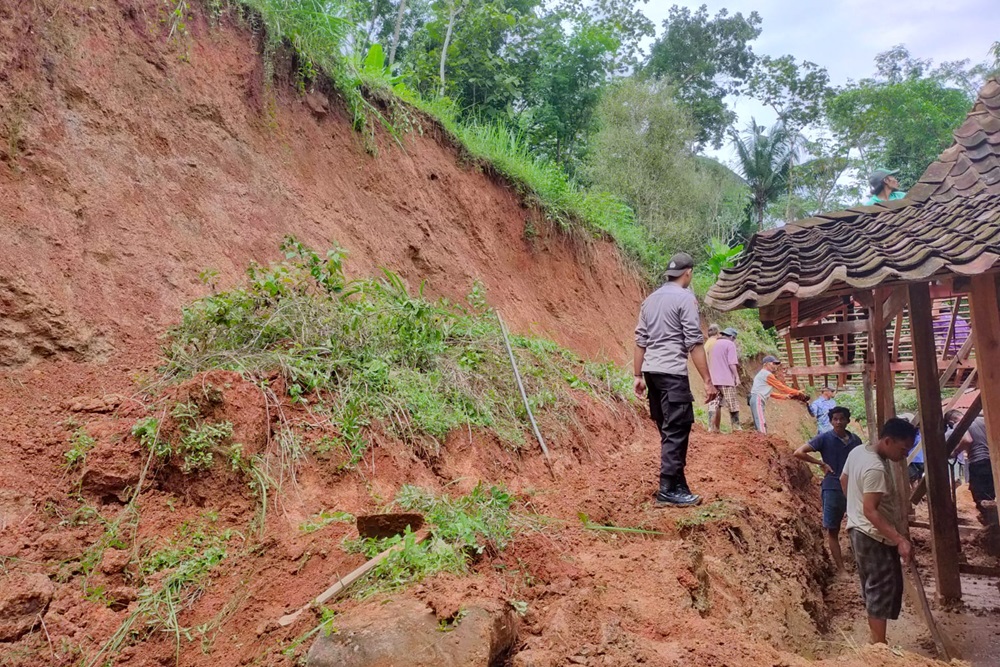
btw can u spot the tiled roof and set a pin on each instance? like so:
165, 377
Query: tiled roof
972, 163
949, 222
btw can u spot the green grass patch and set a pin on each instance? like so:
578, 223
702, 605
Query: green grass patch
79, 444
170, 580
323, 519
462, 529
714, 511
369, 350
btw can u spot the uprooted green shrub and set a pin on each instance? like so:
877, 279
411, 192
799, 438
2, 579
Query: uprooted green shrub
169, 581
461, 528
369, 350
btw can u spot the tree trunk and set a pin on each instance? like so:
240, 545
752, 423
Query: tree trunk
395, 32
453, 10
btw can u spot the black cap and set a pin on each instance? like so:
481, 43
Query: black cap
679, 263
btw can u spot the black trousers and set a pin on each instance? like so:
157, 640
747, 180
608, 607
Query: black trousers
671, 407
981, 481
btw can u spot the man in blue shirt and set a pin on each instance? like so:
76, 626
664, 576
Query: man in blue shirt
833, 446
820, 409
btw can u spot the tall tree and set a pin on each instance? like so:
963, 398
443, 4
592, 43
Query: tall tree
642, 152
796, 92
904, 116
705, 59
765, 161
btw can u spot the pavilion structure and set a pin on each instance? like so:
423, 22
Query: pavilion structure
856, 294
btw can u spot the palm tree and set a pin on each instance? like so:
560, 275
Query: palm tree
765, 162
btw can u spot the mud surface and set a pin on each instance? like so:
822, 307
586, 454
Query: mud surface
129, 164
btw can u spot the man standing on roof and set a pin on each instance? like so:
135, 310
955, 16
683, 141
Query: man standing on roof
820, 409
833, 446
723, 366
669, 330
885, 187
873, 520
766, 385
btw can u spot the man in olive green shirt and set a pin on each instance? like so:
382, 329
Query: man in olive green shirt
885, 187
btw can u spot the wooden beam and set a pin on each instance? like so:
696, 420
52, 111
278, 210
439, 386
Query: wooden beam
950, 336
885, 406
809, 362
791, 359
985, 309
979, 570
953, 441
943, 517
893, 306
854, 369
953, 363
896, 336
829, 329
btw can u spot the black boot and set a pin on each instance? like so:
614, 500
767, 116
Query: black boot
671, 494
682, 486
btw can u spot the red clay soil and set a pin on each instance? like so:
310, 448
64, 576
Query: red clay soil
129, 164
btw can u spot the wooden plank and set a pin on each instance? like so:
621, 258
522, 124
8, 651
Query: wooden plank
342, 585
805, 347
829, 329
941, 508
897, 367
826, 378
843, 349
893, 306
979, 570
953, 441
953, 363
791, 359
945, 646
985, 310
896, 334
950, 336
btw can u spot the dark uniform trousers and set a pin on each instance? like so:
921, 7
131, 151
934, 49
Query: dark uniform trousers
671, 407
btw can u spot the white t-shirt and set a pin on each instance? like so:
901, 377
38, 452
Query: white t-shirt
867, 472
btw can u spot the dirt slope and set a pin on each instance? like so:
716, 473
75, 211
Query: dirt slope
134, 163
130, 164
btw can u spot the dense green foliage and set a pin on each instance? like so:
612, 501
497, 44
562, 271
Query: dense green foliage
463, 529
370, 350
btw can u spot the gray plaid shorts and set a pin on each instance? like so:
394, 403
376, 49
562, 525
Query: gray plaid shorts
727, 398
881, 575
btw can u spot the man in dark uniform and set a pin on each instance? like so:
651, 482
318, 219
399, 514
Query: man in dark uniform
669, 330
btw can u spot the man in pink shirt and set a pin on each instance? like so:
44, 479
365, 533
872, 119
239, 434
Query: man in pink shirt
723, 367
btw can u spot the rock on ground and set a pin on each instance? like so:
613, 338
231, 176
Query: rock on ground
24, 598
406, 632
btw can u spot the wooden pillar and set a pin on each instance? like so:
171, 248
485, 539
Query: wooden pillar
943, 518
885, 406
985, 309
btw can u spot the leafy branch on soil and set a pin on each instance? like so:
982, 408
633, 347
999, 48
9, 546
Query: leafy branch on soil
323, 519
590, 525
463, 529
80, 443
172, 579
369, 351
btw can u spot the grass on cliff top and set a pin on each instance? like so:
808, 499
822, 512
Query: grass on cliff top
369, 351
318, 32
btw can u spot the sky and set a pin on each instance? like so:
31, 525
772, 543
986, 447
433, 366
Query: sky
844, 36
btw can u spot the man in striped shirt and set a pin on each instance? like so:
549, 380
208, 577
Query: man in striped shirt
767, 385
